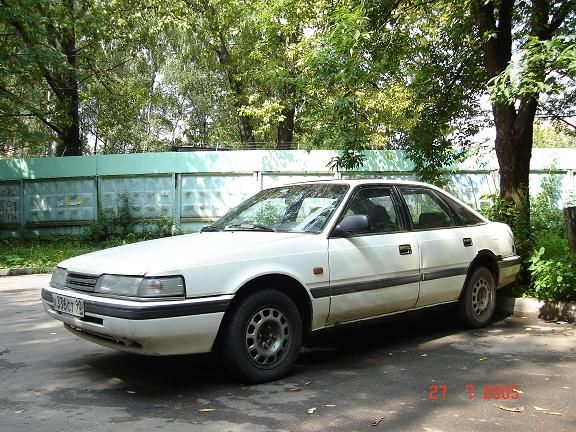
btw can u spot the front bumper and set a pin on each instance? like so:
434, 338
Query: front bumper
508, 269
145, 327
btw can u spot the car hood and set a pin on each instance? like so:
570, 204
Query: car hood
172, 254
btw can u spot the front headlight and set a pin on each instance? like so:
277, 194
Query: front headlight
58, 277
118, 285
162, 287
141, 287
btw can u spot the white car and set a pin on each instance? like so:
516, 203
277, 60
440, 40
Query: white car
286, 262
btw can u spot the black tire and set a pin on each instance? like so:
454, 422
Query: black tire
478, 300
262, 337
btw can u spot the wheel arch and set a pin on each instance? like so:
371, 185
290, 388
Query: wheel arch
280, 282
484, 258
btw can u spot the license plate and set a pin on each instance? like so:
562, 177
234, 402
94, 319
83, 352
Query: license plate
69, 305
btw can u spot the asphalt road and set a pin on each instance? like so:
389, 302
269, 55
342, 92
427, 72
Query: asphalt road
409, 374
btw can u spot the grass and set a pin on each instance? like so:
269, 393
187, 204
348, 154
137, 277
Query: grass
43, 254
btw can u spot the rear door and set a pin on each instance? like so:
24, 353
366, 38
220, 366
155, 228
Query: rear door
375, 272
447, 246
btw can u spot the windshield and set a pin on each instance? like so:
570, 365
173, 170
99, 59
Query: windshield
296, 208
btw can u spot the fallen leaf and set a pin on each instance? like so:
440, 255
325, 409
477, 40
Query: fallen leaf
515, 409
377, 421
540, 409
483, 358
311, 410
553, 413
206, 410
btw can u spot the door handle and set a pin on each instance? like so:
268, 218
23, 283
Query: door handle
405, 249
467, 241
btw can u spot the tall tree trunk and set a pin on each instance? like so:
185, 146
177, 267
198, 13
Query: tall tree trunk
245, 128
70, 142
245, 122
513, 145
286, 129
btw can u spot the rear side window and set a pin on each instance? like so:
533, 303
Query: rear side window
426, 209
462, 215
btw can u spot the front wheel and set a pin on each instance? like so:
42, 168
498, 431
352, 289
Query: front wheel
262, 338
478, 302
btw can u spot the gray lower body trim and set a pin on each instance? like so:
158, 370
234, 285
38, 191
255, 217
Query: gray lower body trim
363, 286
328, 291
445, 273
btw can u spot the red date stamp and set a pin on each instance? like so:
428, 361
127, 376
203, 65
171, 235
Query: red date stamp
488, 392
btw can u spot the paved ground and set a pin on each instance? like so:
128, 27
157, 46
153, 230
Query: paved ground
52, 381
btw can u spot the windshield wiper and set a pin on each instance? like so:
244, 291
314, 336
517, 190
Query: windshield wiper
250, 227
209, 228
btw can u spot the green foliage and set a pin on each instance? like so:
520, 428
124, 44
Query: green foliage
545, 212
542, 66
347, 160
118, 224
509, 213
552, 269
554, 135
41, 254
552, 266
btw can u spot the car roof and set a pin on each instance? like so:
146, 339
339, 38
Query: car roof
368, 181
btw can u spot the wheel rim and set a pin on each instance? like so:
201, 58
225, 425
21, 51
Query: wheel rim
482, 294
267, 337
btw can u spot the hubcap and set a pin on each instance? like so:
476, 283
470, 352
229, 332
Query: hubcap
267, 337
481, 298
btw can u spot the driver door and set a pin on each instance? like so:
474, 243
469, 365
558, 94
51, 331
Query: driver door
374, 272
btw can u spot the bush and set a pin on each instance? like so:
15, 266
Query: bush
552, 270
545, 212
119, 226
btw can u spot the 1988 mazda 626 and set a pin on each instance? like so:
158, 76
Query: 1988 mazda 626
288, 261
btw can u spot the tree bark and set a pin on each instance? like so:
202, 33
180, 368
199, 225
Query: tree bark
514, 121
286, 129
71, 144
245, 122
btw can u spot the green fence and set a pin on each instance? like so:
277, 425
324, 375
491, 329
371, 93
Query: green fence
64, 195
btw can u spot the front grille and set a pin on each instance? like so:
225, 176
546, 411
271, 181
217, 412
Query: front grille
81, 282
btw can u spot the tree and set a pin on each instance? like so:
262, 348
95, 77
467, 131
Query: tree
41, 44
504, 26
393, 75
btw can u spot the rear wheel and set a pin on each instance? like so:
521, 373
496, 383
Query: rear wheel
262, 338
478, 302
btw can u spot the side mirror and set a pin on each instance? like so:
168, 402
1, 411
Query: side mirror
350, 225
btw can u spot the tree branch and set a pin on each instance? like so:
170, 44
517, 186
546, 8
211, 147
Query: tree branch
560, 16
98, 72
34, 112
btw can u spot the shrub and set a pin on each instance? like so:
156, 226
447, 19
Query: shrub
118, 227
552, 278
